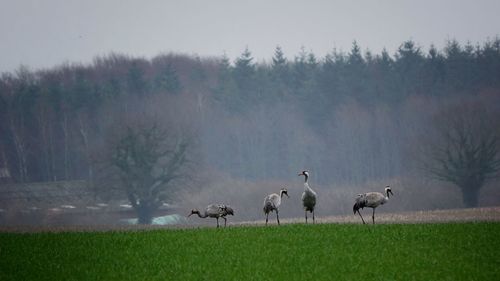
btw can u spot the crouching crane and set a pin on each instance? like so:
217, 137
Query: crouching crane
272, 203
371, 200
215, 211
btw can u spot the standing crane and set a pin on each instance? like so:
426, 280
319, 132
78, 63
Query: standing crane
371, 200
272, 202
215, 211
308, 196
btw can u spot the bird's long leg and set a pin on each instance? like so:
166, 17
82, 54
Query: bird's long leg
278, 217
314, 221
217, 222
373, 216
359, 213
267, 217
225, 221
305, 212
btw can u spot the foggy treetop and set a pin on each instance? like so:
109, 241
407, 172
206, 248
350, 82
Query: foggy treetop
348, 116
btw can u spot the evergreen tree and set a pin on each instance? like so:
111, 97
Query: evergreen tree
377, 73
355, 75
433, 77
303, 68
279, 76
330, 78
226, 91
244, 74
488, 62
409, 69
279, 59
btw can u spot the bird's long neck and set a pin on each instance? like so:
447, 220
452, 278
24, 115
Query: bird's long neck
202, 216
306, 186
281, 194
306, 177
387, 195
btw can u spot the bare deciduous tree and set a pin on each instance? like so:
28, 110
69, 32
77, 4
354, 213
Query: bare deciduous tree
465, 152
149, 160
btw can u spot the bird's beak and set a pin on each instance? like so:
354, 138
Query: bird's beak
189, 215
287, 195
390, 191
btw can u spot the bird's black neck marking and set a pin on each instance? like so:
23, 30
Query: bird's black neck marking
306, 177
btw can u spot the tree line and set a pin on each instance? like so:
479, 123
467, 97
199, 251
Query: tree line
254, 120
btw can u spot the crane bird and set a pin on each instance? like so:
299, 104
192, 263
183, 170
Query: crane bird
272, 202
371, 200
215, 211
308, 196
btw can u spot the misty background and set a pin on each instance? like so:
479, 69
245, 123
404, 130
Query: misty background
357, 121
277, 94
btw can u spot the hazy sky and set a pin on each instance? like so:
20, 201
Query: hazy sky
44, 33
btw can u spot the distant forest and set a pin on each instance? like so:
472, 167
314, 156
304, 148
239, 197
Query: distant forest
348, 117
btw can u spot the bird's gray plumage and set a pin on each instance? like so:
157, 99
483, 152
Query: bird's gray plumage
215, 211
308, 196
272, 203
371, 200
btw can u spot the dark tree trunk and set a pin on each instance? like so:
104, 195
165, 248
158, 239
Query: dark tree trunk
144, 213
470, 196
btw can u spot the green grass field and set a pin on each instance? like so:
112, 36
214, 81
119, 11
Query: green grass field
454, 251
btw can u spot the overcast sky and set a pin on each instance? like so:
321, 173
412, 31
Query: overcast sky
45, 33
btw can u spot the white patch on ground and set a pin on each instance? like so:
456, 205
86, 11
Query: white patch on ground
68, 207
